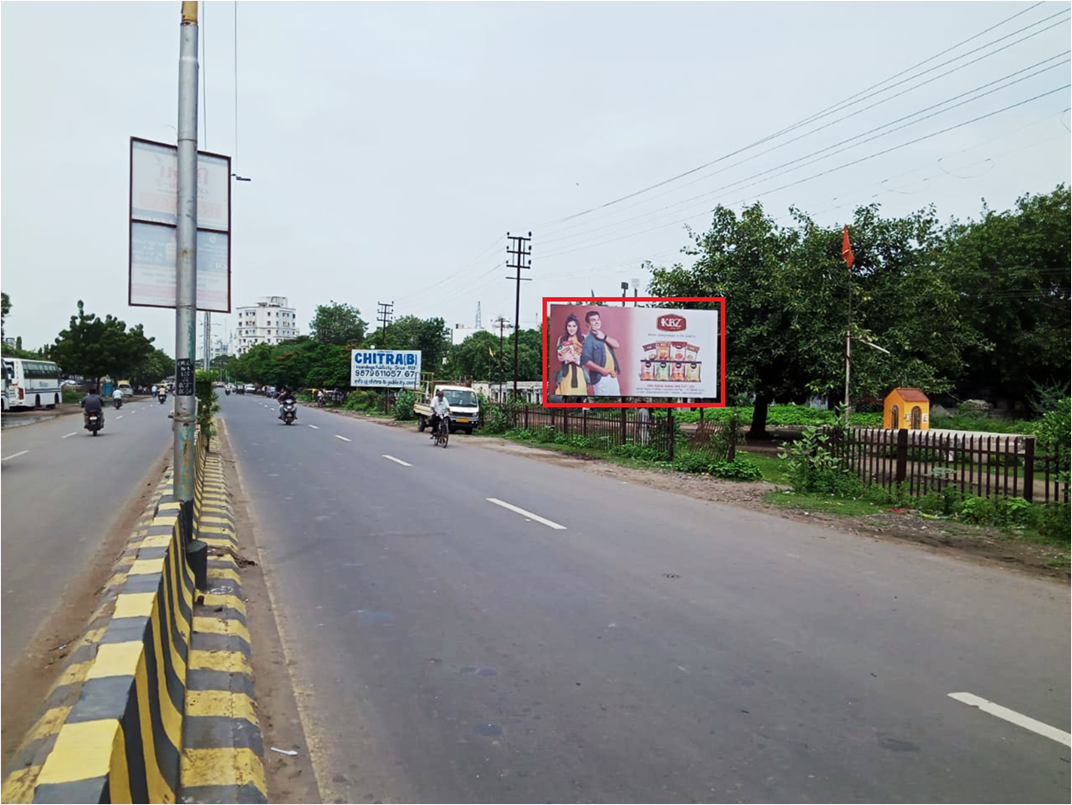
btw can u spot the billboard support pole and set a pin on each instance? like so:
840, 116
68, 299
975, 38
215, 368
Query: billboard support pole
186, 270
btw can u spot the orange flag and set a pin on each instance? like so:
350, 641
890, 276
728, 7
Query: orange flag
846, 249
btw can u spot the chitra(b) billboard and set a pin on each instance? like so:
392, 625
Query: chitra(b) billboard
599, 351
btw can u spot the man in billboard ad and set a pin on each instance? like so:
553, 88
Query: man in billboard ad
655, 352
599, 358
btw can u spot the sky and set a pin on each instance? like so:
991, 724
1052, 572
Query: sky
392, 146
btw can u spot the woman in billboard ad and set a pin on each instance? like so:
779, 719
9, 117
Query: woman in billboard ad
571, 379
647, 352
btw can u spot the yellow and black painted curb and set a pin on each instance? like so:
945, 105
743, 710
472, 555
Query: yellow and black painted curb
223, 748
28, 760
122, 739
156, 699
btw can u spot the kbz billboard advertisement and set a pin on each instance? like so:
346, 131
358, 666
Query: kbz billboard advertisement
385, 368
598, 351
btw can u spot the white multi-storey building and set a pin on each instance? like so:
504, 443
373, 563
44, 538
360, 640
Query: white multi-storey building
267, 322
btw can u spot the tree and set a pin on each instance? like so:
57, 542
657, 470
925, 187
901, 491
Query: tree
478, 356
430, 336
338, 323
787, 305
1012, 272
5, 311
94, 347
153, 368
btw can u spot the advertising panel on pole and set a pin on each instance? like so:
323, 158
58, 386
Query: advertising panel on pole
153, 225
385, 368
609, 351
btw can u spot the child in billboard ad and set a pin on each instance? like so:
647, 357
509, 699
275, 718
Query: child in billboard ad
644, 352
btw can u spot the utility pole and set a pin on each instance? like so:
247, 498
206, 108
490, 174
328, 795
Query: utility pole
186, 271
522, 261
502, 323
385, 314
625, 290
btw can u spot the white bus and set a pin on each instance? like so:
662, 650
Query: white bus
32, 383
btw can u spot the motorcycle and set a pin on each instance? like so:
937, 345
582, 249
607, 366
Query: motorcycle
290, 411
162, 397
94, 422
117, 402
227, 392
320, 402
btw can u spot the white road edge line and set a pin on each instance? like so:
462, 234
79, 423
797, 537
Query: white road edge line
69, 435
337, 436
315, 427
524, 513
398, 461
1013, 717
15, 455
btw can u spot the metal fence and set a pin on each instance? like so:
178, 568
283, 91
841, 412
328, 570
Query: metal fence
987, 466
610, 428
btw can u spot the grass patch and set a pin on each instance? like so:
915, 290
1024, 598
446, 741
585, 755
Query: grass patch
772, 467
823, 503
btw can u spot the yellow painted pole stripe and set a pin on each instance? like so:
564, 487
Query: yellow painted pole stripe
232, 766
221, 626
83, 750
228, 661
220, 574
214, 600
117, 659
19, 785
134, 605
221, 703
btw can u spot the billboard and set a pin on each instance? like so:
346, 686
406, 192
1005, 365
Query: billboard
385, 368
153, 222
609, 351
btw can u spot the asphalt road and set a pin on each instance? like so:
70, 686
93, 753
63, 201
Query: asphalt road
63, 491
653, 648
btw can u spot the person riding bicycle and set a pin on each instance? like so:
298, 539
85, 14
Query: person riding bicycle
440, 411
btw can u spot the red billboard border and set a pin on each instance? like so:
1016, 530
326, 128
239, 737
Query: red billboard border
618, 299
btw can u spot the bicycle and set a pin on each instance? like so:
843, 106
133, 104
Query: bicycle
442, 433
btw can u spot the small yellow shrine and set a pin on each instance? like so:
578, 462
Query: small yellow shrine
906, 409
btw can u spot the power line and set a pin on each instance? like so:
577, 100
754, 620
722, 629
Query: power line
846, 117
830, 110
828, 171
777, 169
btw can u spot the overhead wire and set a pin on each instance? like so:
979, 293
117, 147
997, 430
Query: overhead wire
851, 100
552, 231
777, 169
830, 170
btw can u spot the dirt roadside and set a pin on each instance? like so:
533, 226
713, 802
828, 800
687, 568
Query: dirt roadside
289, 778
988, 546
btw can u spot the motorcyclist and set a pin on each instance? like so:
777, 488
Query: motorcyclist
440, 410
92, 404
284, 397
154, 389
117, 397
320, 398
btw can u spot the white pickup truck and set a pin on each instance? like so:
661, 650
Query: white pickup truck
463, 402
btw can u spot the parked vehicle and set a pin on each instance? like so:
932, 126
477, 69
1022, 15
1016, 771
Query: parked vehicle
94, 422
463, 402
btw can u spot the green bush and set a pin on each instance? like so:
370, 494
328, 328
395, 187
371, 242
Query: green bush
1055, 427
640, 452
72, 394
740, 469
403, 408
813, 468
207, 402
498, 418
